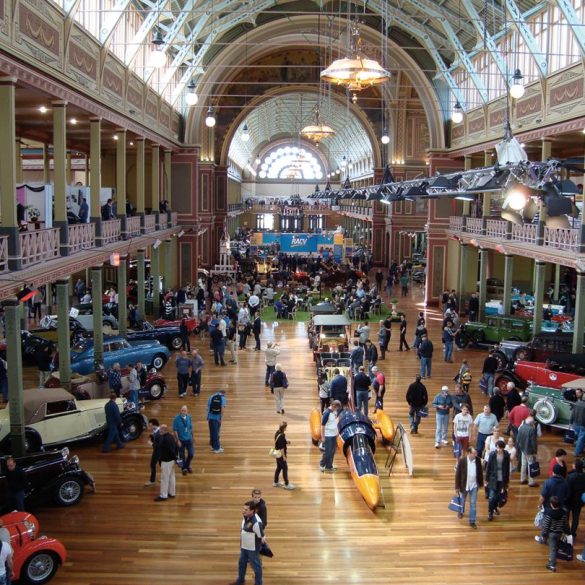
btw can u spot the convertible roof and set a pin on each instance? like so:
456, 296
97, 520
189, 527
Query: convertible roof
323, 308
333, 320
578, 383
35, 398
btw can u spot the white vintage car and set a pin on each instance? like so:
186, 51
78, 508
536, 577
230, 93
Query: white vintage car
54, 417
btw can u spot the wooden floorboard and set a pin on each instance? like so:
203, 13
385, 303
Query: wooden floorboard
322, 532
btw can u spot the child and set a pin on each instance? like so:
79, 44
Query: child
465, 376
511, 448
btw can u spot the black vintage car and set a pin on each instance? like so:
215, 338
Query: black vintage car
49, 474
166, 335
30, 344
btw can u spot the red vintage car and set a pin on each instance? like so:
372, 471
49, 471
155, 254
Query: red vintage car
36, 558
554, 373
191, 323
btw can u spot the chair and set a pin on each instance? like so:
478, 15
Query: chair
330, 363
376, 308
292, 315
344, 362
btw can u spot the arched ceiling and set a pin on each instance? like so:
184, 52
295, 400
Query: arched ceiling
283, 117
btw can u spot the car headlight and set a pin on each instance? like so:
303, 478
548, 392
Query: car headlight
130, 406
30, 529
74, 460
65, 452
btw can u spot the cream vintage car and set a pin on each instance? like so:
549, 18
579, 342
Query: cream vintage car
54, 417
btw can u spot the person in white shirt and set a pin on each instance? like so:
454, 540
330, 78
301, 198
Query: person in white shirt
461, 426
5, 562
468, 476
251, 538
490, 443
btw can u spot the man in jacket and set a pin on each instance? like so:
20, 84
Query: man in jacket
218, 345
416, 398
425, 352
183, 364
468, 479
357, 357
270, 357
578, 423
154, 428
183, 431
338, 388
442, 404
361, 384
329, 436
497, 477
556, 485
167, 457
488, 372
215, 407
575, 491
473, 307
113, 424
197, 364
251, 539
256, 330
527, 445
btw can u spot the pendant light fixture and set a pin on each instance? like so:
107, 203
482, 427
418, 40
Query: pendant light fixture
245, 133
210, 120
158, 57
517, 87
457, 114
191, 97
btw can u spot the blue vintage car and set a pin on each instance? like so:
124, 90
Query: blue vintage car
168, 335
118, 349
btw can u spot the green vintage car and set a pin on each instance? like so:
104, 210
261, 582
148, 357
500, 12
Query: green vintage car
493, 330
553, 406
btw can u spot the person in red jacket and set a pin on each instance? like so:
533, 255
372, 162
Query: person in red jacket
559, 458
518, 415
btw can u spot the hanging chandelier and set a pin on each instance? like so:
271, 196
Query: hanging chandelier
355, 72
318, 131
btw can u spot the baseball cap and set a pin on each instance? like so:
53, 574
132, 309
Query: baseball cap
374, 368
445, 389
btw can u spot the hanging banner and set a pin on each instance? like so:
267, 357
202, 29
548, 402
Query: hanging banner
296, 243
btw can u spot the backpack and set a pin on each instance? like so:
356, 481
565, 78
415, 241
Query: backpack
215, 405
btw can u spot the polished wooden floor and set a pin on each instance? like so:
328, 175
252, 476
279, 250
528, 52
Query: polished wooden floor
322, 532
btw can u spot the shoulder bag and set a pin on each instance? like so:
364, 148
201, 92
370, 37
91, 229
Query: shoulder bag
273, 451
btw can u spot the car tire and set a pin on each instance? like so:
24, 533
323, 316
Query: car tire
32, 442
176, 343
462, 340
520, 353
132, 427
68, 491
106, 324
502, 383
158, 361
40, 567
156, 391
501, 359
546, 411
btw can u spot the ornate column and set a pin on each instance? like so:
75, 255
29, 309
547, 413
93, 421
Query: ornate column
123, 295
121, 181
63, 332
140, 181
9, 226
463, 251
97, 291
46, 165
59, 161
155, 275
539, 272
168, 263
483, 265
155, 178
141, 277
18, 151
15, 384
95, 177
168, 195
508, 275
579, 322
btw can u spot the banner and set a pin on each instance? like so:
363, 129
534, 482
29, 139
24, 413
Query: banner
296, 243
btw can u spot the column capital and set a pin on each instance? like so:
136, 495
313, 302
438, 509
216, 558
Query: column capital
153, 146
59, 104
95, 120
63, 281
8, 80
97, 267
140, 139
121, 130
141, 250
13, 302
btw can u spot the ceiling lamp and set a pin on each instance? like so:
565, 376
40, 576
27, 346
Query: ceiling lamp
385, 138
517, 198
191, 98
318, 131
517, 87
457, 115
210, 120
355, 72
245, 134
158, 57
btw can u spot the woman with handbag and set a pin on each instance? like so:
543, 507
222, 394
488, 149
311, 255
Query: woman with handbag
280, 452
279, 384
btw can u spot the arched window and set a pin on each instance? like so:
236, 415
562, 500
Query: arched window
291, 162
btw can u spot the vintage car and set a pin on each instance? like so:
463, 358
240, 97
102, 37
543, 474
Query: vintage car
96, 385
553, 406
493, 330
340, 276
329, 333
36, 558
48, 329
54, 417
538, 349
554, 373
169, 335
49, 474
191, 323
83, 320
118, 349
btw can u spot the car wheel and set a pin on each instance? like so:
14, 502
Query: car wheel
176, 342
501, 359
132, 427
32, 442
546, 411
156, 391
502, 384
69, 491
477, 337
520, 353
106, 324
462, 341
40, 567
158, 361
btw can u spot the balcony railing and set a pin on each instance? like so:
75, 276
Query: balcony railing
133, 226
496, 228
81, 237
525, 233
456, 223
111, 231
562, 238
357, 211
149, 223
174, 219
3, 254
235, 208
473, 225
39, 245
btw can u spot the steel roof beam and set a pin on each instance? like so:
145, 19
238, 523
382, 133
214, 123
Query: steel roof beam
112, 19
577, 27
144, 30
